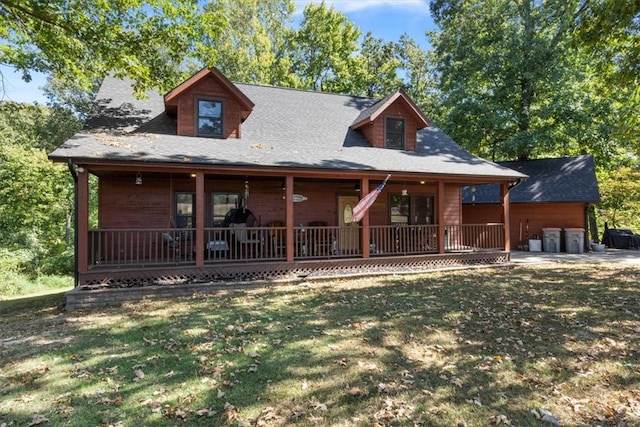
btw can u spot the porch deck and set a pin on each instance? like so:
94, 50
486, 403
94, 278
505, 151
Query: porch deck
139, 257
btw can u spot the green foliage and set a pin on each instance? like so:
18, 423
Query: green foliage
620, 192
418, 70
513, 87
251, 48
35, 126
324, 52
609, 31
381, 62
36, 196
147, 40
68, 96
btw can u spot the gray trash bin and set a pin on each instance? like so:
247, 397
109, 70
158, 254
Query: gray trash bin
574, 240
551, 239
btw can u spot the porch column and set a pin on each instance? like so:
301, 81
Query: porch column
366, 232
82, 250
288, 217
504, 196
199, 237
440, 197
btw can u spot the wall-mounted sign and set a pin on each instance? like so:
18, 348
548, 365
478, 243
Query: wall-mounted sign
298, 198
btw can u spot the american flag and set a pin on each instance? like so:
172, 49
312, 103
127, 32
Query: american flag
365, 203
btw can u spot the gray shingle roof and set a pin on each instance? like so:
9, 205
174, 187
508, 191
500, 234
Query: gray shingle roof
287, 128
564, 179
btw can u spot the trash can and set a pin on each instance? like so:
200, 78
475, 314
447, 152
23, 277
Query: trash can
574, 240
551, 239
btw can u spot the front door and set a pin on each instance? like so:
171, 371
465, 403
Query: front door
349, 238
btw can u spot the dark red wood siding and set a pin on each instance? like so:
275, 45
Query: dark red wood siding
208, 88
150, 205
538, 215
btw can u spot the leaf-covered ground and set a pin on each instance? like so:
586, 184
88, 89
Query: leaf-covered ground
525, 346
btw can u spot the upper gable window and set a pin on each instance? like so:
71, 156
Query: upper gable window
394, 132
209, 118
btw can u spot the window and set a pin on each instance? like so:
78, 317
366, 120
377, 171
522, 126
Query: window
394, 133
411, 209
221, 203
399, 209
185, 210
209, 118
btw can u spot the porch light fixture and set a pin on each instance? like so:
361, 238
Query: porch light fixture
473, 193
138, 178
283, 185
357, 186
404, 189
246, 190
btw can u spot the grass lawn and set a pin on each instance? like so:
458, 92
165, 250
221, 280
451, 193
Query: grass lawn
523, 346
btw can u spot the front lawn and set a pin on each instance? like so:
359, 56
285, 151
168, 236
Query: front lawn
525, 346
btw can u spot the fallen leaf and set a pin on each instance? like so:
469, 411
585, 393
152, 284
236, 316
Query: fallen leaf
139, 374
37, 419
501, 419
297, 415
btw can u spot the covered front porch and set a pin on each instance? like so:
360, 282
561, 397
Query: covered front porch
170, 226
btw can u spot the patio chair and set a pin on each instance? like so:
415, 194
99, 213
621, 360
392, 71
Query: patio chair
173, 244
246, 241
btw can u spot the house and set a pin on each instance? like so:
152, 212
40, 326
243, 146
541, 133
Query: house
227, 181
559, 193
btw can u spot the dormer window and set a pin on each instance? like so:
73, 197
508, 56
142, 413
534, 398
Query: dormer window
209, 114
394, 132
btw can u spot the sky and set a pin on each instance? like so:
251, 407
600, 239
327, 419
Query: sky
386, 19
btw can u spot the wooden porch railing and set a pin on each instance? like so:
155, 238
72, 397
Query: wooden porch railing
140, 246
473, 237
145, 247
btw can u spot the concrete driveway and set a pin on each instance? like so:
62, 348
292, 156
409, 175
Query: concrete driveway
620, 256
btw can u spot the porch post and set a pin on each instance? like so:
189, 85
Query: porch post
199, 237
82, 250
366, 232
441, 217
288, 217
504, 195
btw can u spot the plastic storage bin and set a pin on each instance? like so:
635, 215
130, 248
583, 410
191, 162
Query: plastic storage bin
551, 239
574, 240
535, 245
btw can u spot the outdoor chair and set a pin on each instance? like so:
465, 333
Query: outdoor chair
246, 241
172, 244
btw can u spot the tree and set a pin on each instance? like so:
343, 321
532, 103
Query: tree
324, 52
620, 192
147, 40
69, 96
511, 86
417, 67
609, 32
381, 61
252, 45
36, 195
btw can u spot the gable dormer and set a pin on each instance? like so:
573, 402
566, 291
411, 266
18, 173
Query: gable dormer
392, 122
208, 105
